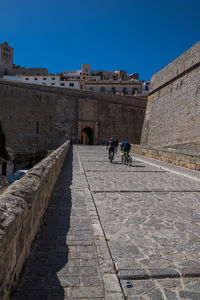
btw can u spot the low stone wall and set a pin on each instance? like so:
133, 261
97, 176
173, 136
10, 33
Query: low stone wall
22, 207
172, 156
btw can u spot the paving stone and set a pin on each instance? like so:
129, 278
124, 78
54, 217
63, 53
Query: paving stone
75, 271
85, 292
192, 284
155, 294
90, 280
189, 295
134, 274
170, 295
90, 255
163, 273
69, 281
169, 283
88, 262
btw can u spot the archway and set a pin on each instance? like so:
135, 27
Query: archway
87, 136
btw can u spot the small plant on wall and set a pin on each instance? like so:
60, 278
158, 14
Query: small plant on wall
3, 152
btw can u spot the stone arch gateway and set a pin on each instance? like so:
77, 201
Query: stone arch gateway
87, 136
63, 113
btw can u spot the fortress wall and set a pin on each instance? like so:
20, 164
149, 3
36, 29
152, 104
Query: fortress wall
120, 121
173, 111
22, 207
32, 116
41, 117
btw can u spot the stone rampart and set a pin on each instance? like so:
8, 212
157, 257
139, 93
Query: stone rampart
22, 207
170, 156
172, 116
36, 118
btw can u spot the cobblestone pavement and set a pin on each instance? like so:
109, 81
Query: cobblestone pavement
110, 224
150, 215
63, 262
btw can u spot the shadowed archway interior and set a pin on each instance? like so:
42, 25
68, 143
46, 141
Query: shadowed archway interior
87, 136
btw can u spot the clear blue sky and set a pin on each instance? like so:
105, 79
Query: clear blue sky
139, 36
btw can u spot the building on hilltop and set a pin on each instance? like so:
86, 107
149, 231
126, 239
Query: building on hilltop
8, 68
18, 70
118, 82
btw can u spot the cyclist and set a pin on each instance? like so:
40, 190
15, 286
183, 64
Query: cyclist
111, 148
126, 147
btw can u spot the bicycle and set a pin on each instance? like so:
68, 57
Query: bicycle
111, 156
123, 158
126, 159
129, 160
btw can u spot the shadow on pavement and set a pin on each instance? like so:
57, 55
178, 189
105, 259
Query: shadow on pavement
49, 252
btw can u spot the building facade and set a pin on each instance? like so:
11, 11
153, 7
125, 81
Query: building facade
49, 80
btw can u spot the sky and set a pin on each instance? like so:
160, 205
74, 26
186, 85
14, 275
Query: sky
138, 36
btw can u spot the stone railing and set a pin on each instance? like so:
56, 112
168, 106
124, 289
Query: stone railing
22, 207
170, 156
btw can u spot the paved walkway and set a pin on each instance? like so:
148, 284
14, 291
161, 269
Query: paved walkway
109, 224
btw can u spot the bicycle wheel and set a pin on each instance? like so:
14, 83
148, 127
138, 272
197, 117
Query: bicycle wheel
111, 156
126, 159
129, 160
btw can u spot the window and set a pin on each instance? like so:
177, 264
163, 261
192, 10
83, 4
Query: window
62, 84
53, 78
44, 78
35, 78
124, 90
26, 78
102, 90
53, 83
71, 84
91, 88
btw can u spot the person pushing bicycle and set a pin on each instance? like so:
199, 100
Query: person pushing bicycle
111, 148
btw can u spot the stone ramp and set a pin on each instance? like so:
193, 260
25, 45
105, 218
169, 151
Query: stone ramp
63, 262
109, 224
150, 216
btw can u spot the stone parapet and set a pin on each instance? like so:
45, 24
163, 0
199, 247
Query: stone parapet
22, 207
169, 156
188, 60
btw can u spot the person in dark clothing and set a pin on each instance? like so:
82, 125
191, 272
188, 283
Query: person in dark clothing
111, 147
126, 147
116, 145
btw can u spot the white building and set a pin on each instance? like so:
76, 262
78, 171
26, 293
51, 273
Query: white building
45, 80
117, 82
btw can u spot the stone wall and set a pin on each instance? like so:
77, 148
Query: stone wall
173, 156
22, 207
173, 111
36, 117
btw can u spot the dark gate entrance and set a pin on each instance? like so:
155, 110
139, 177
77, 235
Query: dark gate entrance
87, 136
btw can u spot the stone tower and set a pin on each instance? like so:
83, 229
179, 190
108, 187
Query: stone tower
6, 59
